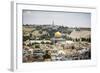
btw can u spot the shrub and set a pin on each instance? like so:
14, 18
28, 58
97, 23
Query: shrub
37, 46
42, 42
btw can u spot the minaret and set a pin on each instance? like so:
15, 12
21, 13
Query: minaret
62, 28
53, 23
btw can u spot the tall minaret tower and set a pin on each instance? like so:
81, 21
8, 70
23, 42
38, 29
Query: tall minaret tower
53, 23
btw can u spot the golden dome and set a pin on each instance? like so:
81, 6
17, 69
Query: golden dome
58, 34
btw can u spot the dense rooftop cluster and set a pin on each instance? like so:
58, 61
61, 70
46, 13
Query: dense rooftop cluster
55, 43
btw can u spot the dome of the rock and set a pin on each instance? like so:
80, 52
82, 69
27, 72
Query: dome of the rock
58, 34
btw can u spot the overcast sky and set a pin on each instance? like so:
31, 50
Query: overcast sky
60, 18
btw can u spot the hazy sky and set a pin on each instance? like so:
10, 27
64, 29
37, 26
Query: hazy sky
60, 18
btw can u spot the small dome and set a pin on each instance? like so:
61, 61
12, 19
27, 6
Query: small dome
58, 34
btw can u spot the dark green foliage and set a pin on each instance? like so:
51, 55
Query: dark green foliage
47, 42
37, 46
42, 42
26, 38
29, 44
77, 40
86, 39
73, 47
